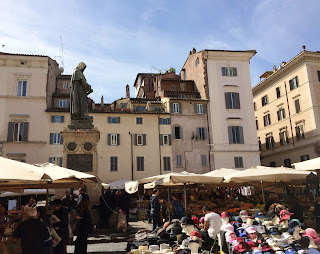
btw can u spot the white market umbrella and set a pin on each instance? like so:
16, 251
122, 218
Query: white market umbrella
118, 185
222, 172
310, 165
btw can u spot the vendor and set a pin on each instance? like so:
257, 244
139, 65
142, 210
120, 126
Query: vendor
212, 224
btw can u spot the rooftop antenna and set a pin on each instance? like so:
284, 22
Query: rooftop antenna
160, 71
61, 56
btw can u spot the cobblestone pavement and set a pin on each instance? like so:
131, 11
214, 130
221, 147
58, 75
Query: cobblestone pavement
102, 248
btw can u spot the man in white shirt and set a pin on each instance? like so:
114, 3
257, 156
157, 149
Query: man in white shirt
212, 222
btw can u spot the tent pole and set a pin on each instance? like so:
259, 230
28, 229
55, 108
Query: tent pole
47, 199
263, 197
169, 204
185, 197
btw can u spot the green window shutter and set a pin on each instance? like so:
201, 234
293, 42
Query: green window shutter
235, 72
25, 127
204, 108
181, 132
173, 132
237, 100
160, 121
52, 119
62, 119
144, 139
109, 119
118, 119
241, 135
109, 139
205, 133
61, 140
195, 108
135, 139
230, 134
198, 132
180, 108
223, 69
169, 139
169, 120
10, 131
118, 139
226, 97
161, 139
51, 138
171, 107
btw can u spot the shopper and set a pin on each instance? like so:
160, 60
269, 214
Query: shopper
106, 207
296, 208
84, 229
178, 208
155, 209
44, 218
82, 196
212, 224
68, 201
124, 202
273, 198
33, 234
61, 227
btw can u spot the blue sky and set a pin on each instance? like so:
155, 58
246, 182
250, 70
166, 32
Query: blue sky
118, 39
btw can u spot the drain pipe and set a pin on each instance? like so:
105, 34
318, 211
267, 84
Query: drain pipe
131, 155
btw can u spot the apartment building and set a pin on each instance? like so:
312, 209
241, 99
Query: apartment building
287, 111
223, 78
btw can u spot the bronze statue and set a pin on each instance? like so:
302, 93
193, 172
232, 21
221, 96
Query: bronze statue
79, 100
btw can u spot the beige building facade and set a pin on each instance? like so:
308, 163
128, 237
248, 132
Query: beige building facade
223, 77
287, 111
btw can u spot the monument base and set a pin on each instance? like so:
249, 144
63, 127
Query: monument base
80, 124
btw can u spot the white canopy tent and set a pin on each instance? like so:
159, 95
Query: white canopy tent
310, 165
116, 185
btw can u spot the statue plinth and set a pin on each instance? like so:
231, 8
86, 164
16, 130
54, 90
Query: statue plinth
80, 124
80, 153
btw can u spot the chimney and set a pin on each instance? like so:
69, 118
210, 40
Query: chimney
194, 51
274, 68
102, 101
127, 91
304, 47
283, 63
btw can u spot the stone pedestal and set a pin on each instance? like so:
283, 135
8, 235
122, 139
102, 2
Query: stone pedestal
80, 153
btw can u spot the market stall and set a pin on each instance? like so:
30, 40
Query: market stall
309, 165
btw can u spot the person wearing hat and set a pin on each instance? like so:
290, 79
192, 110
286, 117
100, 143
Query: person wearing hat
212, 223
33, 234
61, 226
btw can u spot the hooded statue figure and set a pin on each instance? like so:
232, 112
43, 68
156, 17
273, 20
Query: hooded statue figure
78, 96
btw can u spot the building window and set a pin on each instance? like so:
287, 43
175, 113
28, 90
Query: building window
287, 163
62, 103
273, 164
65, 85
165, 121
278, 92
56, 160
57, 119
284, 139
165, 140
319, 75
199, 109
139, 108
196, 62
56, 139
179, 161
254, 106
113, 139
166, 164
269, 142
113, 120
139, 120
140, 139
232, 100
123, 105
202, 133
173, 87
140, 163
300, 132
175, 108
182, 86
229, 71
177, 132
297, 105
281, 114
22, 88
264, 100
204, 160
18, 132
293, 83
304, 157
238, 162
113, 163
257, 124
235, 135
266, 120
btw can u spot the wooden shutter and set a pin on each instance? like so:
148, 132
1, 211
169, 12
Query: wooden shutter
174, 132
230, 134
68, 103
319, 75
50, 160
297, 105
62, 119
204, 108
161, 139
226, 97
223, 69
25, 127
198, 133
138, 164
109, 139
109, 119
169, 120
52, 119
235, 72
171, 107
180, 108
291, 84
144, 139
241, 135
160, 120
10, 131
169, 139
118, 119
118, 139
51, 138
135, 139
278, 114
181, 132
195, 108
237, 100
205, 133
61, 140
